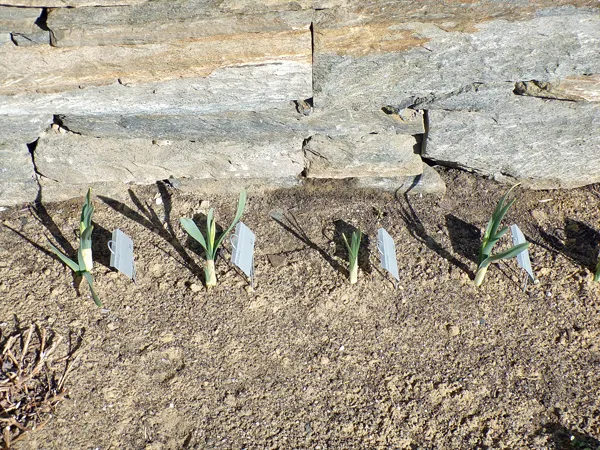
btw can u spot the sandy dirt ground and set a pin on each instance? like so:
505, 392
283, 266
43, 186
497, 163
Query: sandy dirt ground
305, 360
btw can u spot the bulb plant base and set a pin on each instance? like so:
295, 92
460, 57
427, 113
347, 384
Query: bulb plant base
491, 236
211, 243
353, 248
210, 274
354, 274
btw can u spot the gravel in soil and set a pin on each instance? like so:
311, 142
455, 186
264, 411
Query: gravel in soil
305, 360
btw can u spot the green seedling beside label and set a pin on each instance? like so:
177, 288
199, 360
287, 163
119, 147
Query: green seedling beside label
597, 274
353, 248
211, 244
491, 236
85, 262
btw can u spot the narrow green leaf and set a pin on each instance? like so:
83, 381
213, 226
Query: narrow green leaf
90, 280
508, 254
356, 238
353, 247
487, 249
86, 212
211, 231
68, 261
238, 215
500, 215
192, 229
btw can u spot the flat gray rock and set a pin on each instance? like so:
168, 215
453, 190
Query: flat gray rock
23, 129
18, 20
252, 87
71, 159
389, 55
245, 123
374, 155
17, 177
545, 144
168, 20
429, 182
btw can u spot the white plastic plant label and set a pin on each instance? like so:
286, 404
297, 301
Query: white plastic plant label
121, 254
242, 242
523, 257
387, 252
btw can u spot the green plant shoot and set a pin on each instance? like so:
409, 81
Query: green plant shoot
597, 274
492, 235
353, 248
85, 262
211, 244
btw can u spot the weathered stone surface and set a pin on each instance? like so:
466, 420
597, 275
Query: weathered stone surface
254, 87
73, 159
69, 3
47, 69
383, 54
581, 88
164, 21
18, 20
545, 144
338, 123
53, 191
23, 129
429, 182
17, 176
222, 5
35, 37
18, 26
372, 155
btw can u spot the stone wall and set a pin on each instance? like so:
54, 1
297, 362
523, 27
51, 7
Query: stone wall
109, 93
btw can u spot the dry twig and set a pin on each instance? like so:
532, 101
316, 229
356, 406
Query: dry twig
32, 382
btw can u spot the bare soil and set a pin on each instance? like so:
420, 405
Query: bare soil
306, 360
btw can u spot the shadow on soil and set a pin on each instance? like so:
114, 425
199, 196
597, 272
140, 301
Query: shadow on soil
418, 231
147, 217
464, 237
288, 222
562, 438
577, 241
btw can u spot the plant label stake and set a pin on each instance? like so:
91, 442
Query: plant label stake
523, 257
121, 254
242, 242
387, 252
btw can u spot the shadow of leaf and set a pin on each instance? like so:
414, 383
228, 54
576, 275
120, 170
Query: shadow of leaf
148, 218
563, 438
578, 242
418, 231
465, 238
288, 222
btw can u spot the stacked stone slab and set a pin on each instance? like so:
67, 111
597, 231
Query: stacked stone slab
477, 73
272, 92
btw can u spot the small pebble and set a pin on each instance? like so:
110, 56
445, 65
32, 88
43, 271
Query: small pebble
195, 287
453, 330
277, 260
